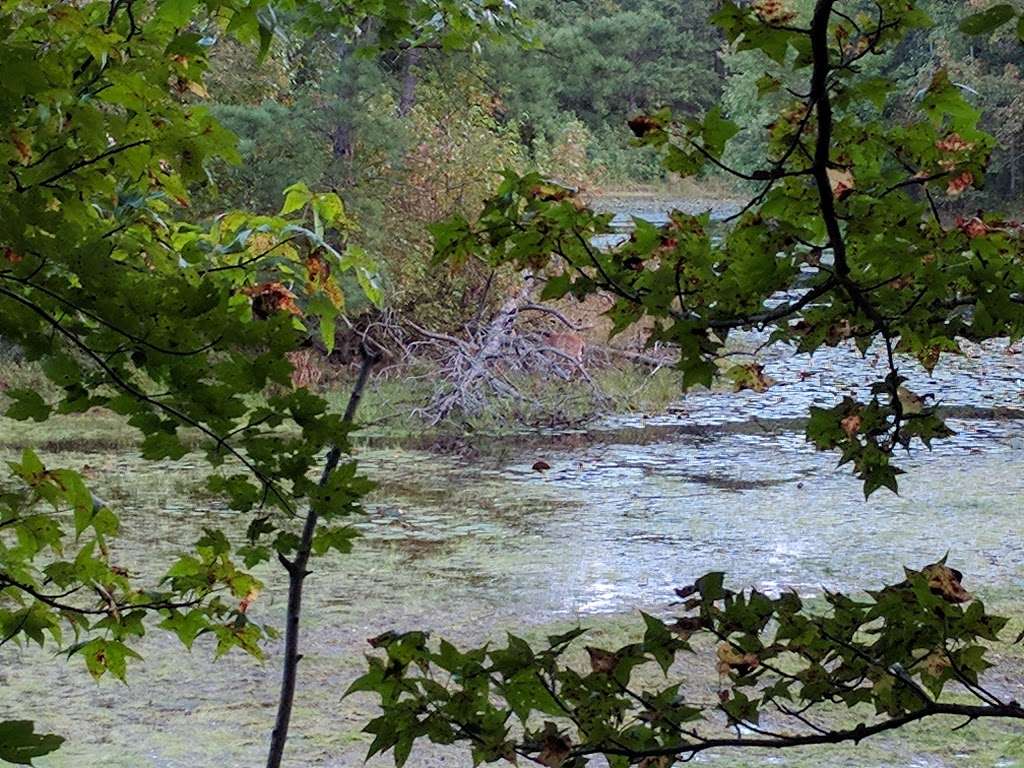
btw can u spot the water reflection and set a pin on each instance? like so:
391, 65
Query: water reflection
469, 548
466, 548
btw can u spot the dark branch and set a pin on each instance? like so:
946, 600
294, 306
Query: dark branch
138, 394
87, 162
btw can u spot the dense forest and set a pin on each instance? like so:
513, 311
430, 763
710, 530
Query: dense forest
510, 321
412, 136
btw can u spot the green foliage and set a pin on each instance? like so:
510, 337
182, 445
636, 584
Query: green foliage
842, 242
455, 145
276, 150
19, 743
181, 325
182, 321
599, 63
985, 67
398, 166
61, 585
784, 667
988, 20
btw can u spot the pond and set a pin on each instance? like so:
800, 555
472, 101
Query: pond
467, 546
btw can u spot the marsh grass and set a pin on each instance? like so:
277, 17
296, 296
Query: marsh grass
392, 409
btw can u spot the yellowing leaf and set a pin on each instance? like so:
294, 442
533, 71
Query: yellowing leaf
945, 582
730, 659
851, 424
841, 182
22, 142
750, 376
296, 197
960, 183
556, 748
602, 661
198, 89
936, 664
910, 401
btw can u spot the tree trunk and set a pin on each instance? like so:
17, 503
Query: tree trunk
297, 574
342, 135
1015, 166
409, 81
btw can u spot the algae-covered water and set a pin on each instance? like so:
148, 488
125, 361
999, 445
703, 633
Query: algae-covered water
469, 544
468, 547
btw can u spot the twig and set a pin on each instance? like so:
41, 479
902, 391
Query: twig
87, 162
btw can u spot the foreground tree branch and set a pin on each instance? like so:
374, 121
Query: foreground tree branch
855, 735
297, 573
183, 325
786, 672
841, 251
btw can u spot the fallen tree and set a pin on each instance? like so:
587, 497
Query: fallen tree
484, 362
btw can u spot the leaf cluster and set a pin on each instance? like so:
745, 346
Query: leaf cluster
843, 243
784, 669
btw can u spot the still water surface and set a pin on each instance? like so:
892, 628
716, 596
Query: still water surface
467, 547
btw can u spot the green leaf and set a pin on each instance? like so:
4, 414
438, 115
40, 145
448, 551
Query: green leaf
525, 693
328, 331
883, 476
330, 209
338, 538
187, 626
326, 314
62, 370
163, 445
767, 84
716, 131
266, 38
176, 12
28, 404
296, 197
369, 282
31, 467
74, 488
566, 637
19, 743
988, 20
116, 659
711, 585
556, 287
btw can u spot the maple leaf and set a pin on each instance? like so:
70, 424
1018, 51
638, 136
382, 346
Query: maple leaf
641, 125
22, 144
841, 181
851, 424
268, 298
730, 659
972, 227
954, 143
750, 376
602, 661
945, 582
556, 747
773, 11
958, 184
248, 600
936, 664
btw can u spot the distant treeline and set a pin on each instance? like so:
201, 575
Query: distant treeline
414, 136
